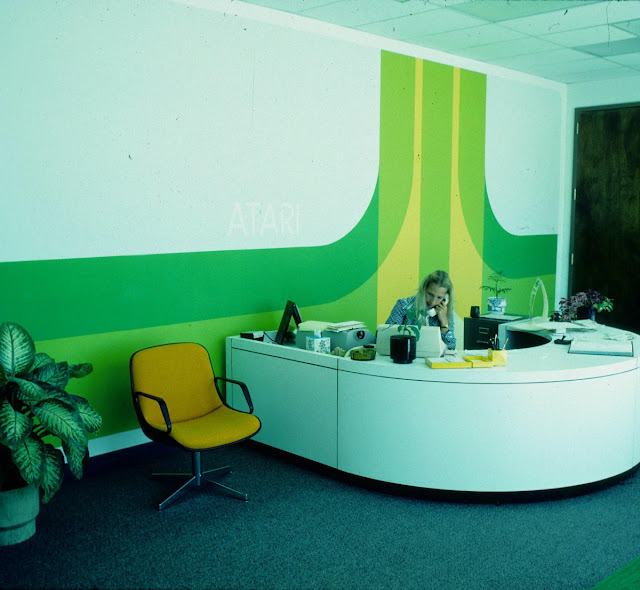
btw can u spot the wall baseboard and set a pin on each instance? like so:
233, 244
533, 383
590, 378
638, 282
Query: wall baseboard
117, 442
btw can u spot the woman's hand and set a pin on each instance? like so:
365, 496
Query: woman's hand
442, 312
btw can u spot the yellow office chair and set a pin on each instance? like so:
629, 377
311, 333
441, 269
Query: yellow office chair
178, 403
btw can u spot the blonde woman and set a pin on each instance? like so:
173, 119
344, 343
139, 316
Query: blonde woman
434, 299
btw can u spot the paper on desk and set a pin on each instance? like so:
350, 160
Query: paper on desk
311, 326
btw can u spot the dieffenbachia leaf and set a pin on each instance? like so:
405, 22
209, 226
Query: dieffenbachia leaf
52, 473
91, 420
17, 350
29, 392
55, 375
15, 427
61, 419
28, 457
75, 456
80, 370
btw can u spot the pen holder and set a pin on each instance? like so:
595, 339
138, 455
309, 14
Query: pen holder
497, 357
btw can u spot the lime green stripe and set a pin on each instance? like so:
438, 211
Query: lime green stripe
108, 388
435, 211
473, 88
61, 298
397, 89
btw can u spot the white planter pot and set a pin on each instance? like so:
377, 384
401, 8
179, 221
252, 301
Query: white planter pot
18, 511
497, 304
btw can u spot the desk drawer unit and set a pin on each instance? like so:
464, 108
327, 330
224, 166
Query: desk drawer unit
479, 331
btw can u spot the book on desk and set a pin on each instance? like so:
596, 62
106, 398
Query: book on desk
604, 347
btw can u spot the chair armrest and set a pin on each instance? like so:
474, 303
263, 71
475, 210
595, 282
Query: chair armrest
245, 390
161, 403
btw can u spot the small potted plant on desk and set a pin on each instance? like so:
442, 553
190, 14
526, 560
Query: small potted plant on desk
584, 303
497, 303
34, 406
403, 345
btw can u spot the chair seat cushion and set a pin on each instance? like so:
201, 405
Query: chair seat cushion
221, 427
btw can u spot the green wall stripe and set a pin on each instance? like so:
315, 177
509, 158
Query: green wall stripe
108, 388
435, 204
518, 256
62, 298
397, 89
473, 92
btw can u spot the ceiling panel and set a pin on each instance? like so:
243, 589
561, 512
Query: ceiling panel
614, 48
542, 36
522, 46
631, 60
290, 5
530, 60
359, 12
418, 25
470, 37
501, 11
632, 26
589, 35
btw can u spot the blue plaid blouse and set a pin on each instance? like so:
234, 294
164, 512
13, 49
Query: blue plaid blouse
399, 316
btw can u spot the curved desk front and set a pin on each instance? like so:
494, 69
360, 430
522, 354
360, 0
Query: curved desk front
549, 420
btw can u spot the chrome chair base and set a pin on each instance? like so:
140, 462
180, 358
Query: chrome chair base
197, 480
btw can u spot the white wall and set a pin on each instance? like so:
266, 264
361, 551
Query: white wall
523, 155
249, 134
603, 92
228, 119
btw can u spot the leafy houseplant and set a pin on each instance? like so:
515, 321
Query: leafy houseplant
33, 406
497, 303
403, 345
497, 278
589, 300
411, 324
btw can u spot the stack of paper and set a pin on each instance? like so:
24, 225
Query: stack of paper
479, 361
344, 326
449, 361
458, 361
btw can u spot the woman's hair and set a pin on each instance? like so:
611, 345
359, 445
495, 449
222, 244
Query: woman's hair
438, 278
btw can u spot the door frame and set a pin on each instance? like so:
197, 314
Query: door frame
574, 177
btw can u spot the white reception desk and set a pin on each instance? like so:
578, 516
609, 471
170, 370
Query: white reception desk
547, 421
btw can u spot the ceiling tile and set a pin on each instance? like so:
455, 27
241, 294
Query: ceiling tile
631, 60
449, 3
416, 26
500, 11
523, 46
291, 5
582, 65
631, 26
588, 36
577, 77
470, 37
352, 13
613, 48
577, 16
538, 59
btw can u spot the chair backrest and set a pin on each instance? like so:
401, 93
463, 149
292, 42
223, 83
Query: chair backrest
181, 374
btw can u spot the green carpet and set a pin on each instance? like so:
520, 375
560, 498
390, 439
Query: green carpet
626, 578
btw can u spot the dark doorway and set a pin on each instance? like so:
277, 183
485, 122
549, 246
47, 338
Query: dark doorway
606, 219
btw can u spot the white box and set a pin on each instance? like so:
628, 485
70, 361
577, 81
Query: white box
319, 344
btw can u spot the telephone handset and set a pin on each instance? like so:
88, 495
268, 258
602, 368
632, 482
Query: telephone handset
432, 311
